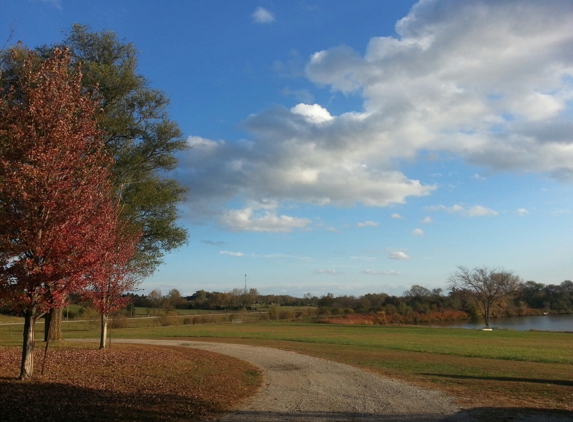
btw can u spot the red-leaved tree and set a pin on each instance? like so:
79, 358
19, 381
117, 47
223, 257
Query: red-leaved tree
55, 189
113, 277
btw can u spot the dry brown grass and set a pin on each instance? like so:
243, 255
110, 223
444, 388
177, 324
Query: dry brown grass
124, 383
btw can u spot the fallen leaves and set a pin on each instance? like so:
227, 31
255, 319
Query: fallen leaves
124, 383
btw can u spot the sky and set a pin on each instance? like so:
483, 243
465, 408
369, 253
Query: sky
353, 147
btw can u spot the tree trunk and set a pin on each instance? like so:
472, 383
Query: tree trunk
53, 326
103, 333
27, 366
487, 313
47, 324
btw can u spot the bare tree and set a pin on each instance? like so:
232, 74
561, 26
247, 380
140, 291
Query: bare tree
485, 287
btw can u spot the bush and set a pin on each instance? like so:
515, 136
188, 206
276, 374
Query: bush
118, 321
166, 320
274, 312
286, 315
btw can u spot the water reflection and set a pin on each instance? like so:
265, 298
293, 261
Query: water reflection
526, 323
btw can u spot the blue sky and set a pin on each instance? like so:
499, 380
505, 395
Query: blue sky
353, 147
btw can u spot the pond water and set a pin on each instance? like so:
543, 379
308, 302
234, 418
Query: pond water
524, 323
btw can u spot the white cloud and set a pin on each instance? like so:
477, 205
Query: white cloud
198, 143
396, 216
291, 162
372, 272
313, 113
231, 253
418, 232
522, 211
479, 211
398, 255
328, 271
489, 81
262, 15
427, 220
248, 219
475, 211
369, 224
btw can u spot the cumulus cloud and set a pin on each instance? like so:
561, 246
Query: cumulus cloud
313, 113
522, 211
475, 211
396, 216
398, 255
249, 219
490, 82
369, 224
418, 232
262, 15
297, 157
427, 220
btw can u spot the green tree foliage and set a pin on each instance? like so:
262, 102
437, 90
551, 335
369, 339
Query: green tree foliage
139, 134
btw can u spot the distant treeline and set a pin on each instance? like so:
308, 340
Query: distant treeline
416, 304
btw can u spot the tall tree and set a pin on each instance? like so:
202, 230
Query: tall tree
55, 187
140, 136
485, 287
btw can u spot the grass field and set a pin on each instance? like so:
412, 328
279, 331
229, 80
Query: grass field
499, 368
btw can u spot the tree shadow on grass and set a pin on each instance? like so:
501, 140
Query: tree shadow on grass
511, 414
566, 383
254, 416
36, 401
50, 402
468, 415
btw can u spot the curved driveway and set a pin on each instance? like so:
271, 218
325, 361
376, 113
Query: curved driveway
300, 388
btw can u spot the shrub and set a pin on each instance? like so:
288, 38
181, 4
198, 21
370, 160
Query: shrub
286, 315
166, 320
274, 312
118, 321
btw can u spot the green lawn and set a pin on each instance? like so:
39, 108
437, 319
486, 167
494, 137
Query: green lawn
499, 368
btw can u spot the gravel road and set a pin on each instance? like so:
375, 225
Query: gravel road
303, 388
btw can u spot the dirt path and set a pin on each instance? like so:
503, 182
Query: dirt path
303, 388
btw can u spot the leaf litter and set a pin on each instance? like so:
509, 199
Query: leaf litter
124, 383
